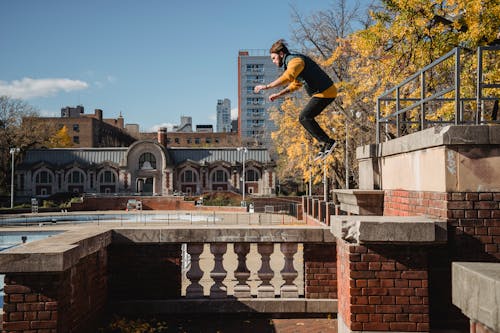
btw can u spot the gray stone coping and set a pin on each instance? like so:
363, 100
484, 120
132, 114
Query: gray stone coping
361, 202
227, 234
389, 229
433, 137
60, 252
227, 305
476, 291
56, 253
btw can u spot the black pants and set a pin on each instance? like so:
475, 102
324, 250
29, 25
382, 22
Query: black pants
312, 109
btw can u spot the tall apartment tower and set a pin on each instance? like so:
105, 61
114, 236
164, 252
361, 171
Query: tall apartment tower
223, 115
254, 125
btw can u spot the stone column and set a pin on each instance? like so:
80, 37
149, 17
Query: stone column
218, 289
195, 289
265, 273
288, 273
242, 289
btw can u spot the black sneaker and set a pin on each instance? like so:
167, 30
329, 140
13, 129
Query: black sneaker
328, 147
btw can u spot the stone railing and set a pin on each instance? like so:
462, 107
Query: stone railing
67, 281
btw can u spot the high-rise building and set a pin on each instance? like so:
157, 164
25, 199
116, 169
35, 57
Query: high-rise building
223, 115
254, 124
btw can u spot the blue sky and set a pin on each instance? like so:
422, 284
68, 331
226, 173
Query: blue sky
153, 61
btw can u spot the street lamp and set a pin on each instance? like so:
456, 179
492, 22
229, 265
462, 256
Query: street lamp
245, 151
12, 152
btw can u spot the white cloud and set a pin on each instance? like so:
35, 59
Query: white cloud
30, 88
234, 113
48, 113
155, 128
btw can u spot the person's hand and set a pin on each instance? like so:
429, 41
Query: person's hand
258, 88
273, 97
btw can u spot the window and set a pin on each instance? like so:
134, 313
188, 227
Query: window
188, 176
76, 127
208, 140
219, 176
188, 141
43, 177
76, 139
107, 177
197, 141
251, 175
176, 140
147, 161
76, 177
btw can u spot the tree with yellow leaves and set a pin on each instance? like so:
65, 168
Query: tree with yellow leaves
60, 139
401, 37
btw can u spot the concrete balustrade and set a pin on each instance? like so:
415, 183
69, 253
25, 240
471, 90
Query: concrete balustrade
138, 270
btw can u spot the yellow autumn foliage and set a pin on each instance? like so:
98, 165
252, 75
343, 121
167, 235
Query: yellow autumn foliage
404, 37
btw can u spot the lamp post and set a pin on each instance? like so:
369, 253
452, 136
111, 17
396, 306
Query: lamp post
12, 152
244, 150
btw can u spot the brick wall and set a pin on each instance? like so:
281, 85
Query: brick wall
383, 287
148, 203
320, 264
144, 271
473, 217
60, 302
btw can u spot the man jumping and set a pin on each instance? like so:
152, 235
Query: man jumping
300, 70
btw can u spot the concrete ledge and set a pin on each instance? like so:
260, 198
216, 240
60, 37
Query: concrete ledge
476, 291
432, 137
60, 252
227, 234
361, 202
229, 305
54, 254
389, 229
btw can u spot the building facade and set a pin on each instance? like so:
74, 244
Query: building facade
144, 168
223, 115
91, 130
254, 124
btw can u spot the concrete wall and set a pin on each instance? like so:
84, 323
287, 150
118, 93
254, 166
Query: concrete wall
449, 159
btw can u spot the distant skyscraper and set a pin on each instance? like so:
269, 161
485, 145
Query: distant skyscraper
255, 67
223, 115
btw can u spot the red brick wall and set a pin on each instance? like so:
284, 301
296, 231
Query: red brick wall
407, 203
474, 218
69, 301
144, 271
320, 264
148, 203
383, 287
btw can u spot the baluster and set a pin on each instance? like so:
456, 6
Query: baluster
218, 289
288, 273
195, 289
265, 273
242, 289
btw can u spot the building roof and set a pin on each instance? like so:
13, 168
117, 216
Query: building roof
210, 155
63, 156
87, 156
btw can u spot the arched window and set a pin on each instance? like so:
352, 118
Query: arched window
107, 177
76, 177
188, 176
147, 161
251, 175
43, 177
219, 176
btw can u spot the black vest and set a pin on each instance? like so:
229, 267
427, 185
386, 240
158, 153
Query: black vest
312, 77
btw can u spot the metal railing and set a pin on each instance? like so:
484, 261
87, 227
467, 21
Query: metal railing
408, 112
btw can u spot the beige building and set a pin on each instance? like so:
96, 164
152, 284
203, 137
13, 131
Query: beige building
144, 168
